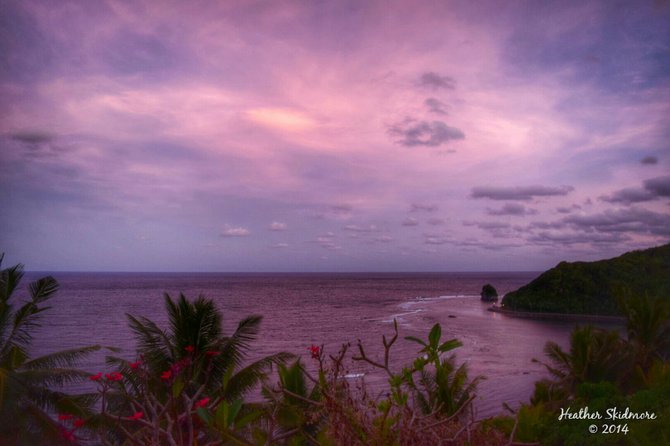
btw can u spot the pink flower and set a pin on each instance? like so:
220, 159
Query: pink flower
65, 416
166, 375
189, 348
95, 377
114, 376
315, 350
79, 422
201, 403
212, 353
137, 415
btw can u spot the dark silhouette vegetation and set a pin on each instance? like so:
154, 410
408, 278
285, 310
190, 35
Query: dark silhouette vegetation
595, 287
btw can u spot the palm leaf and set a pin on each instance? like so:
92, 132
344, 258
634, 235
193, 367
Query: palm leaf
42, 289
63, 358
234, 349
247, 378
9, 280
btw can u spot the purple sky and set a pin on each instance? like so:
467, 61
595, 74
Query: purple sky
332, 135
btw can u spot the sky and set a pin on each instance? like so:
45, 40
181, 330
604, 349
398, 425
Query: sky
332, 135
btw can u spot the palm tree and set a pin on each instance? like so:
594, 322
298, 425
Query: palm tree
191, 365
27, 385
595, 355
648, 327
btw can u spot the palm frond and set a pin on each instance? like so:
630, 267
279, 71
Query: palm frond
247, 378
153, 342
25, 319
9, 280
234, 348
64, 358
56, 377
42, 289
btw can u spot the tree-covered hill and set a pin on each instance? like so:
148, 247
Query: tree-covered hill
593, 287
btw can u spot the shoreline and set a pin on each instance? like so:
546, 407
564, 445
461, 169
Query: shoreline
569, 317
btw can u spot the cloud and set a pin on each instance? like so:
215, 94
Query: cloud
512, 209
435, 81
282, 119
342, 208
435, 106
277, 226
546, 225
327, 241
423, 207
235, 232
628, 196
436, 240
521, 193
567, 210
410, 221
383, 239
280, 245
357, 228
435, 221
659, 186
544, 238
337, 211
424, 133
32, 137
495, 228
649, 160
653, 189
633, 220
487, 224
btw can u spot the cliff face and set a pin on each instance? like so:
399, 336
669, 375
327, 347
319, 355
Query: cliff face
592, 287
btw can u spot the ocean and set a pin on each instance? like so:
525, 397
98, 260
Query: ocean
331, 309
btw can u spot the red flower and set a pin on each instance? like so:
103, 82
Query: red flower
68, 435
137, 415
65, 416
315, 350
135, 365
114, 376
212, 353
95, 377
201, 403
166, 375
79, 422
189, 348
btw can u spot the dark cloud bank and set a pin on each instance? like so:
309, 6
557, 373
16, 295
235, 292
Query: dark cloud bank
521, 193
423, 133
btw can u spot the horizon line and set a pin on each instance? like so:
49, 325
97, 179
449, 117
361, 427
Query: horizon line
274, 272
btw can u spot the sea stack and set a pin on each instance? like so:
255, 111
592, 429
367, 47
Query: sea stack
489, 293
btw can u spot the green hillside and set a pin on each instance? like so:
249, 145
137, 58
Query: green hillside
592, 287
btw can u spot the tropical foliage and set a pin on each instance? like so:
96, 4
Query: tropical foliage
602, 371
187, 384
30, 387
593, 287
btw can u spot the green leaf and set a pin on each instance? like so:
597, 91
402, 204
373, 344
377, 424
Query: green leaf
248, 418
434, 336
221, 415
417, 340
177, 387
449, 345
203, 414
234, 410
